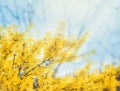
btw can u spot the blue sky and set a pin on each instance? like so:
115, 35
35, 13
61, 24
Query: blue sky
100, 17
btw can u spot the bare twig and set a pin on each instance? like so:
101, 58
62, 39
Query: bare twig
56, 70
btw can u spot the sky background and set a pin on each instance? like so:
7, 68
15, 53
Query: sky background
100, 17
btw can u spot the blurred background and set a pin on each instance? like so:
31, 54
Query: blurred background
100, 17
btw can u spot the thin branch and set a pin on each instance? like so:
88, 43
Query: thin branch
33, 68
23, 54
56, 70
13, 61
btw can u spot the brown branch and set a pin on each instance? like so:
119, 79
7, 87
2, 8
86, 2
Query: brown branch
33, 68
23, 50
13, 61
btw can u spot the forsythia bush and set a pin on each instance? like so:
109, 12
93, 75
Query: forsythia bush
29, 65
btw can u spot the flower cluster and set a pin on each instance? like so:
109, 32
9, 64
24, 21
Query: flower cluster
22, 68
